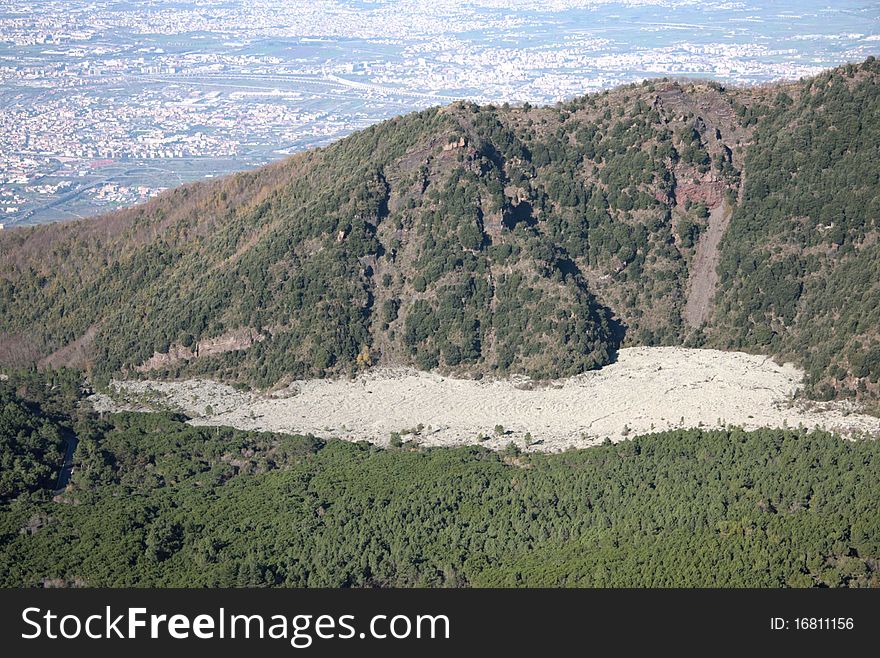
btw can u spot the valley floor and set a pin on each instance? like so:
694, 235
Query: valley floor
646, 389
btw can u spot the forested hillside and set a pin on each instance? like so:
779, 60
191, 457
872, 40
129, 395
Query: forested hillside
154, 501
35, 411
801, 260
487, 241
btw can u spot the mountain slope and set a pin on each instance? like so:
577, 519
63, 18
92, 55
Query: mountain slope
480, 241
801, 261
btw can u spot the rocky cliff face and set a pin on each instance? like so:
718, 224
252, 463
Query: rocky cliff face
232, 341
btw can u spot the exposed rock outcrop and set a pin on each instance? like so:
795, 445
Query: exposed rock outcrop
239, 339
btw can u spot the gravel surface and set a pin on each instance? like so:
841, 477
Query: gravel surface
646, 389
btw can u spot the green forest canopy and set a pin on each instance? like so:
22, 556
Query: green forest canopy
156, 502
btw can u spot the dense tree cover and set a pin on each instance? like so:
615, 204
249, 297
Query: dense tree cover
154, 501
30, 447
800, 263
33, 419
484, 241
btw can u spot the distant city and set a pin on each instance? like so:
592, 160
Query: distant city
104, 104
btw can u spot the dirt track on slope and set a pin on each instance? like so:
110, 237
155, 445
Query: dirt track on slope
704, 276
